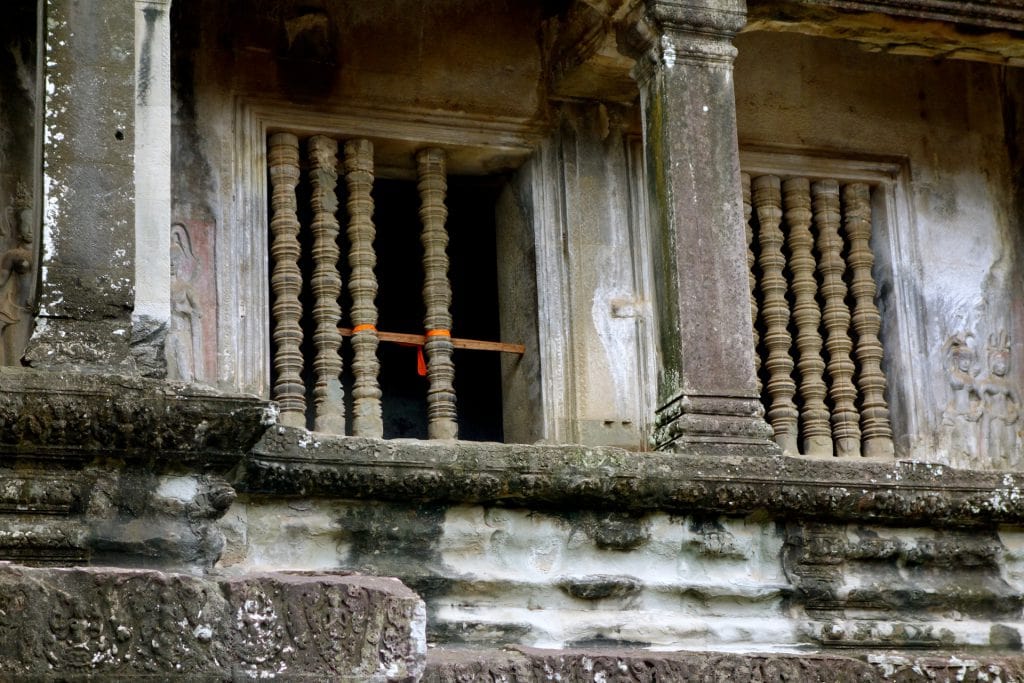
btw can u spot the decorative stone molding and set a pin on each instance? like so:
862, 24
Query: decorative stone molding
1001, 14
74, 417
629, 666
292, 462
77, 624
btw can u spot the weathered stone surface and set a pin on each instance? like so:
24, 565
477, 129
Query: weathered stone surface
79, 417
522, 665
294, 462
114, 624
985, 30
629, 666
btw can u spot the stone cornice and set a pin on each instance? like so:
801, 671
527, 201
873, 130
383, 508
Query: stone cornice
297, 463
76, 417
996, 14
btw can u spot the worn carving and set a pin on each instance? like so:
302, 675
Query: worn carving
874, 411
845, 427
437, 295
362, 284
131, 624
962, 414
326, 286
184, 346
782, 413
1000, 423
814, 415
981, 421
16, 264
286, 280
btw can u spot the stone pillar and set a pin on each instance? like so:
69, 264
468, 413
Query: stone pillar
88, 263
707, 389
152, 309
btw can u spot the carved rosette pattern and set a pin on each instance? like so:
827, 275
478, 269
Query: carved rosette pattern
867, 322
286, 279
751, 276
362, 284
326, 286
782, 413
437, 294
814, 415
845, 428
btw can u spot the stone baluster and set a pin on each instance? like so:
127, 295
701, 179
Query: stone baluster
707, 385
286, 280
877, 433
362, 284
751, 276
814, 416
845, 429
437, 295
326, 286
782, 413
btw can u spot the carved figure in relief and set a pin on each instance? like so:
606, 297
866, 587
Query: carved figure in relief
15, 264
184, 340
964, 409
1001, 404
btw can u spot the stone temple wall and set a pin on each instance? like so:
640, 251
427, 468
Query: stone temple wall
159, 521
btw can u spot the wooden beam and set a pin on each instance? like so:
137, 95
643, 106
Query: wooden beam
420, 340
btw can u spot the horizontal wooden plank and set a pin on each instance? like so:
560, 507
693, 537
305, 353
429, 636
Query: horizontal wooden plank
420, 340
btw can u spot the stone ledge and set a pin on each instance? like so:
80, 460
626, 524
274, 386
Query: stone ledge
996, 14
77, 417
528, 665
116, 624
294, 462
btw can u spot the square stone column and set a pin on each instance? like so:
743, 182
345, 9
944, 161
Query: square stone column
87, 274
707, 392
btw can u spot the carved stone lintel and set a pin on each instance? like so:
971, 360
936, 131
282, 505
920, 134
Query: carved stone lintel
326, 286
437, 295
286, 280
362, 284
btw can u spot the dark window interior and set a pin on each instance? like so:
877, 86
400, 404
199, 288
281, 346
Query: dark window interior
472, 272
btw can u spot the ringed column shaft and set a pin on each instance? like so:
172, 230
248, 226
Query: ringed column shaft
877, 432
751, 277
845, 429
286, 280
782, 413
707, 386
814, 417
362, 284
328, 394
437, 295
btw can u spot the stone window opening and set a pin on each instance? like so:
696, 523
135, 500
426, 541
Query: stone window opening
819, 237
362, 238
